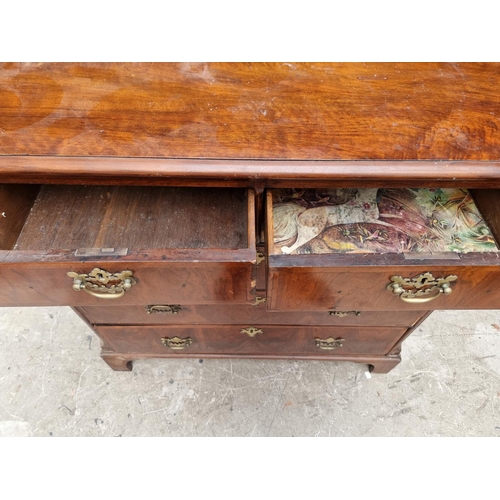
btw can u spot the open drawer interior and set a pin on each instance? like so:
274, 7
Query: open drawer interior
88, 217
384, 221
383, 249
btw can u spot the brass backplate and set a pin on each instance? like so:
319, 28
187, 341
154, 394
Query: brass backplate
329, 343
163, 309
176, 343
99, 281
342, 314
422, 286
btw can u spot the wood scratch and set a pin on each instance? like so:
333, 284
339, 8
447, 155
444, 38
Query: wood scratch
255, 379
278, 405
485, 370
156, 411
211, 416
11, 414
80, 380
483, 405
55, 324
448, 401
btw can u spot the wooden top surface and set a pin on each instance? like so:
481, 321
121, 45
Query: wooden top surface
305, 111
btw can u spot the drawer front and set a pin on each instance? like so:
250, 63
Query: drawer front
373, 288
249, 340
176, 314
46, 284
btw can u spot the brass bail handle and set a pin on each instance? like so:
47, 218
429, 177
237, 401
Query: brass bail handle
423, 288
329, 344
102, 284
176, 343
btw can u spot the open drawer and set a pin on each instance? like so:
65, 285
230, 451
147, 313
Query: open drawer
84, 245
383, 249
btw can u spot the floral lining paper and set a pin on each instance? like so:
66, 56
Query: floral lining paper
316, 221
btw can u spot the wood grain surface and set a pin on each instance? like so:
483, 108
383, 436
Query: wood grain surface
136, 217
248, 173
236, 314
228, 339
15, 205
201, 282
364, 288
268, 111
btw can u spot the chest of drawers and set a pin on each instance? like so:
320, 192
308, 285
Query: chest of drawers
210, 210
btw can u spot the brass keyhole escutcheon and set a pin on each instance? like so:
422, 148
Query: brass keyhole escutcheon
251, 331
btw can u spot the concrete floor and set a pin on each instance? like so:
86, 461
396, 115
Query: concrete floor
53, 383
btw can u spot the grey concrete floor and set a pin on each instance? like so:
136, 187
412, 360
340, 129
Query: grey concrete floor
53, 383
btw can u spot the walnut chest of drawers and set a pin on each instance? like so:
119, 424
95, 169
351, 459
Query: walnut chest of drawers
217, 210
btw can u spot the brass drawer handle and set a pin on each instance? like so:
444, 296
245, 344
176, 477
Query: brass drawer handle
329, 344
163, 309
176, 343
421, 288
342, 314
103, 284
